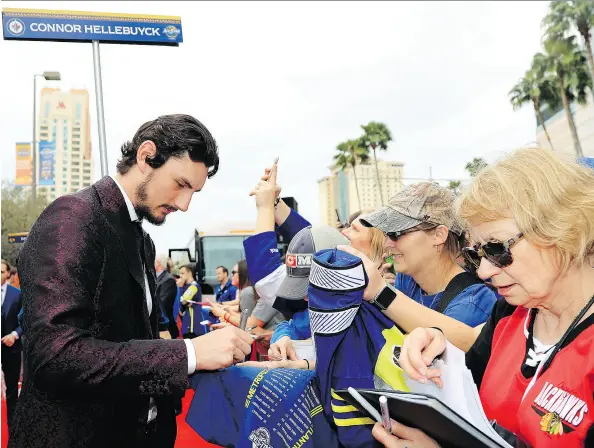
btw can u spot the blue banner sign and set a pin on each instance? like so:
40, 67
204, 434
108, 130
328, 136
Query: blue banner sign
47, 155
77, 26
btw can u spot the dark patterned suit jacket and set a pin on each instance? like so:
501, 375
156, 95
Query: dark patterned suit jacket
91, 355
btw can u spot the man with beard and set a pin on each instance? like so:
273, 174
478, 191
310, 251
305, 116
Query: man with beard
96, 373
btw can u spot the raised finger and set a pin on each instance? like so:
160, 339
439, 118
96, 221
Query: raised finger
273, 172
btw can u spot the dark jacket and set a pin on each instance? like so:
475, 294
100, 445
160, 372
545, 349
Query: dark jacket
92, 358
166, 294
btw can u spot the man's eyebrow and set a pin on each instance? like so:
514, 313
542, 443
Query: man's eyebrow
187, 183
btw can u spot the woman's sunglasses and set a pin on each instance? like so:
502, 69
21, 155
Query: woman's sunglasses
234, 272
498, 253
394, 236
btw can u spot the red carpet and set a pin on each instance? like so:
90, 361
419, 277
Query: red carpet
186, 437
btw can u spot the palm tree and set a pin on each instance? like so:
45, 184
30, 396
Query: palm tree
455, 186
351, 153
536, 88
566, 15
376, 136
474, 167
567, 63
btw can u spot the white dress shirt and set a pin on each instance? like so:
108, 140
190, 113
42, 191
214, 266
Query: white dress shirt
149, 300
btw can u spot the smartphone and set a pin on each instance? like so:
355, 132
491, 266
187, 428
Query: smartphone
390, 259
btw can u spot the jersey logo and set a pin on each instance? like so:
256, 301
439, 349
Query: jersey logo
560, 409
260, 438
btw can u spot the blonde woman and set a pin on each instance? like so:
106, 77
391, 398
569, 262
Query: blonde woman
532, 218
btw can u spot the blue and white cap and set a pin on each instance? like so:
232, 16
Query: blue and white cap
336, 285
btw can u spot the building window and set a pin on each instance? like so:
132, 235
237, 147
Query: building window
47, 107
78, 111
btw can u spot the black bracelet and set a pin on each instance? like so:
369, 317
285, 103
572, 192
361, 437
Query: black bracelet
437, 328
307, 363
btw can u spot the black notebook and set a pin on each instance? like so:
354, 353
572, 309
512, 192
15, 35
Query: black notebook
433, 417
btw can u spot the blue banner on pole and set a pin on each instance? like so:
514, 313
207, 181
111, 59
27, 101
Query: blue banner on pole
47, 153
77, 26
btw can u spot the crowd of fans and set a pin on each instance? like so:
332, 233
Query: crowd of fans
504, 273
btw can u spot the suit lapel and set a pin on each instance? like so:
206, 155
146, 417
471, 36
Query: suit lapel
118, 216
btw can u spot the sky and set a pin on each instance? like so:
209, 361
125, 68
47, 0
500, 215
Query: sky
292, 80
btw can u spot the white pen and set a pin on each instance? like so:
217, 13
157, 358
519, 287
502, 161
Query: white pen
366, 405
387, 422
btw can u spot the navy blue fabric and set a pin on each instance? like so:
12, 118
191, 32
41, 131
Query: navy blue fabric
248, 407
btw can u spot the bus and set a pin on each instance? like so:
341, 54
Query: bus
222, 246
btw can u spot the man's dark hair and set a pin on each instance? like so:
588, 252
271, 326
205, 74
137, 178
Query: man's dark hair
225, 270
8, 266
174, 136
192, 268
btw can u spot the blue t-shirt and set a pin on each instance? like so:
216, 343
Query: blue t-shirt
228, 294
472, 306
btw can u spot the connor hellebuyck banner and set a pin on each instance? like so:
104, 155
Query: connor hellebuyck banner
77, 26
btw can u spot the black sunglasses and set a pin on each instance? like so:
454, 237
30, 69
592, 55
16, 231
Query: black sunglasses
234, 272
497, 252
394, 236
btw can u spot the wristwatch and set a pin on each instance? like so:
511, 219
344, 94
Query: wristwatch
385, 297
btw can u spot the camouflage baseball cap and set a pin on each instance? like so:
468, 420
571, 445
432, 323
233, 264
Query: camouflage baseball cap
417, 203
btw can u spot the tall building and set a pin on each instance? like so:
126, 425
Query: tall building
558, 128
339, 193
64, 118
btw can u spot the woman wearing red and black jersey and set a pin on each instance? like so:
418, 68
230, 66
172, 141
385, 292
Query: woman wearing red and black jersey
532, 215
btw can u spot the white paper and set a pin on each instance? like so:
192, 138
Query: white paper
305, 350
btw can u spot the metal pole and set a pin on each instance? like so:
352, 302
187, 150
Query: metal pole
100, 115
34, 142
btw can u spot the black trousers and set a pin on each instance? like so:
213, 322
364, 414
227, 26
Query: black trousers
160, 433
11, 366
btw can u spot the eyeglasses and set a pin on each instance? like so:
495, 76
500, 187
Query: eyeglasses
394, 236
497, 252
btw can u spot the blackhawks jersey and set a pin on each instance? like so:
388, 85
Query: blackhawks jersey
555, 409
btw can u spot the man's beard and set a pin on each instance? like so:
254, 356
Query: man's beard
142, 210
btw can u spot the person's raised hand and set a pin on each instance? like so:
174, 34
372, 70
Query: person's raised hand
264, 191
421, 346
376, 281
277, 187
222, 348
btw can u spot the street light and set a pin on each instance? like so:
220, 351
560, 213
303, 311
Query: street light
48, 76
